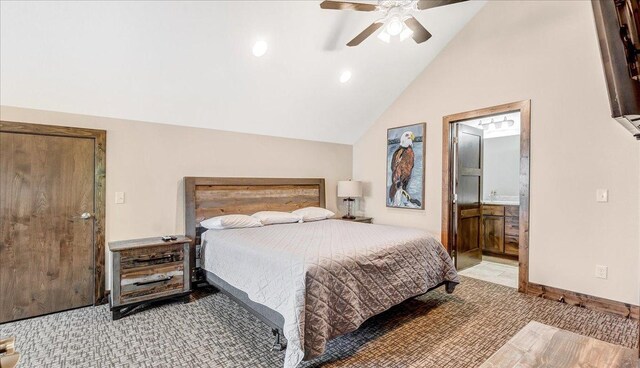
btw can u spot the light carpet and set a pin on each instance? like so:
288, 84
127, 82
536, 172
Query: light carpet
435, 330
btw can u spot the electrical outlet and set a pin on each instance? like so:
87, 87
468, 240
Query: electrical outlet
601, 272
602, 195
119, 197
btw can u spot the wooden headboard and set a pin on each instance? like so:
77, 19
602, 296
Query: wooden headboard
208, 197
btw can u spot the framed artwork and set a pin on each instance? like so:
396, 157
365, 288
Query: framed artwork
405, 166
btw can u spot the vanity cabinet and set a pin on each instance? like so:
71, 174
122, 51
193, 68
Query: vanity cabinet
499, 230
492, 233
511, 230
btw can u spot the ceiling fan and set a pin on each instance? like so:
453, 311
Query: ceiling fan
396, 15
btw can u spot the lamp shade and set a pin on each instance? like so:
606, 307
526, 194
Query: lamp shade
349, 189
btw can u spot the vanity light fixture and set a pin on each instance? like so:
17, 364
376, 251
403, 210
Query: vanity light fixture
484, 126
509, 122
496, 124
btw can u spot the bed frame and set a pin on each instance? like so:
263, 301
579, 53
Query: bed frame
208, 197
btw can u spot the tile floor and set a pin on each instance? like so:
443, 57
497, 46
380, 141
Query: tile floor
496, 273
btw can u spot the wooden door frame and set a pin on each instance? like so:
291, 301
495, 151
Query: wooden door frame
100, 151
524, 107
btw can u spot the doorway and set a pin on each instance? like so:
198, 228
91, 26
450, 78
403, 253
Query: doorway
485, 222
52, 219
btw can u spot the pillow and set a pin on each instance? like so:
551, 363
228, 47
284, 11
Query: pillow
313, 213
276, 217
230, 222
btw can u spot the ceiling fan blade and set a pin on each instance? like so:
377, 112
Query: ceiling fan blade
428, 4
341, 5
366, 33
420, 34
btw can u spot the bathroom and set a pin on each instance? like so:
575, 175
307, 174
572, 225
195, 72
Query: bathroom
500, 187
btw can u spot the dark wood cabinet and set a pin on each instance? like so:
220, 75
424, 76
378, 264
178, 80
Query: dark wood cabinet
493, 233
499, 230
511, 233
468, 238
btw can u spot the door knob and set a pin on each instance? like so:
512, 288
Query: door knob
86, 216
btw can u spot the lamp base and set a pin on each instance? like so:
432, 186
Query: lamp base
349, 216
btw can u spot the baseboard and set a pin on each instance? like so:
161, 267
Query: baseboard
624, 310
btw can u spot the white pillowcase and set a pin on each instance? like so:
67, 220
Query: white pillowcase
230, 222
313, 213
276, 217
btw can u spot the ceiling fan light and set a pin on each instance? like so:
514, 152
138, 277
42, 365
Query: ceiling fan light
384, 36
395, 26
406, 33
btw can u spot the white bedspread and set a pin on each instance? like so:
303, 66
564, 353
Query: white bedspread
327, 277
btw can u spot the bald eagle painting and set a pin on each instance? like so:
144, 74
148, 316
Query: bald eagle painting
405, 166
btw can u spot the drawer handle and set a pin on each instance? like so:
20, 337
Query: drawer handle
170, 256
140, 283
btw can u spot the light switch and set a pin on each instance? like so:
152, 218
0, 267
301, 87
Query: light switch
119, 197
601, 271
602, 195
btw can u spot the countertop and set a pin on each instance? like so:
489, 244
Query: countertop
502, 203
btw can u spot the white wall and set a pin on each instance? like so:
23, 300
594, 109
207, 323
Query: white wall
148, 161
190, 63
501, 166
546, 51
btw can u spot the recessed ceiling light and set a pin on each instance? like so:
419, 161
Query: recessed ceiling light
260, 48
345, 76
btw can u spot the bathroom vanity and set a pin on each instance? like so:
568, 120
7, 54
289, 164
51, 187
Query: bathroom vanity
499, 229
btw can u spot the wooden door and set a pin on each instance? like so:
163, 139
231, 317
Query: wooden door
467, 195
46, 247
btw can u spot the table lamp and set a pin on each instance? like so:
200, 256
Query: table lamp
349, 190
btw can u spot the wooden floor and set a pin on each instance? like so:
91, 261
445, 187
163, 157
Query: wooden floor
539, 345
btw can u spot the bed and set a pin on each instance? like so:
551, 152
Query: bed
309, 281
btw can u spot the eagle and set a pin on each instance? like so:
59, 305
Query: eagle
401, 167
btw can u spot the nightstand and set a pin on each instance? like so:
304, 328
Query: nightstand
148, 270
364, 220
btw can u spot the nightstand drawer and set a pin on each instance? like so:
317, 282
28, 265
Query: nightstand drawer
136, 258
151, 281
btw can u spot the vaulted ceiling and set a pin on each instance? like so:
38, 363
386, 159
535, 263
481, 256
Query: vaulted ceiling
190, 63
